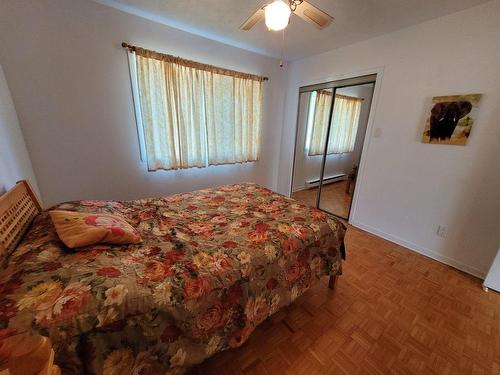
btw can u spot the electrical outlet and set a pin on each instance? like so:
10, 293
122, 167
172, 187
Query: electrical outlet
442, 231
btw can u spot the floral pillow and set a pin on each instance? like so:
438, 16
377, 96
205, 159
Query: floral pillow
78, 229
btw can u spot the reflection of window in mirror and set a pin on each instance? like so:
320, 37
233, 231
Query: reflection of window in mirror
345, 119
310, 121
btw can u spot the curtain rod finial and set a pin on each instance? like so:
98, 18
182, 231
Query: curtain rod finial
128, 46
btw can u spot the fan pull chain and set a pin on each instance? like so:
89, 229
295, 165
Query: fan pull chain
282, 50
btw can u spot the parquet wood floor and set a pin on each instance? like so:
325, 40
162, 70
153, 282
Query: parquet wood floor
334, 199
393, 311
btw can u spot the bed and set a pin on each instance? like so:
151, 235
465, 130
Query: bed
212, 265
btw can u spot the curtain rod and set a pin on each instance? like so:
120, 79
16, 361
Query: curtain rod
194, 64
329, 93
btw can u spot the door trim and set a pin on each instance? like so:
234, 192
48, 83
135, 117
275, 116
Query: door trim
347, 82
379, 72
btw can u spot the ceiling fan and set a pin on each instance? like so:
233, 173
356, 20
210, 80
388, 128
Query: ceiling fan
277, 15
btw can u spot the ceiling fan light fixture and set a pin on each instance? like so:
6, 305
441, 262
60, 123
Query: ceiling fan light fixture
277, 15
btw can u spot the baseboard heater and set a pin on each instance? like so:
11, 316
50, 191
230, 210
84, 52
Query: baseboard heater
327, 180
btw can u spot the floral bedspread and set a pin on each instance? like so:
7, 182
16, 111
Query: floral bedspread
212, 265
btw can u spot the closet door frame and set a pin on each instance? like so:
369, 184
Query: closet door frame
334, 86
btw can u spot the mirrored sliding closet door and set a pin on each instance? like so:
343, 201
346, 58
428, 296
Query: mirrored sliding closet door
331, 125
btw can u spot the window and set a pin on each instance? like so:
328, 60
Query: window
194, 115
345, 119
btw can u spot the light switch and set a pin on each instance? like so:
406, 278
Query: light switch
377, 133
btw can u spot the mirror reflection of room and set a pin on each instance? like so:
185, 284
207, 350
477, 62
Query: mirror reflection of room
349, 118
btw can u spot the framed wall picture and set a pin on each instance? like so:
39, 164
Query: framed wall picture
451, 119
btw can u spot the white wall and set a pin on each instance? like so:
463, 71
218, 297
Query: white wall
307, 167
70, 84
15, 163
408, 188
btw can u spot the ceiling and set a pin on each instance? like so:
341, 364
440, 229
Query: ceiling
355, 20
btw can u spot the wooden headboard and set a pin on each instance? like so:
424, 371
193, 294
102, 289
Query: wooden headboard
18, 207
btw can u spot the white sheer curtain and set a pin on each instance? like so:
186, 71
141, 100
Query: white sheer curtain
345, 119
194, 115
319, 107
233, 111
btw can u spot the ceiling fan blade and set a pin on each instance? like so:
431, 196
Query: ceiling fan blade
253, 20
313, 15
